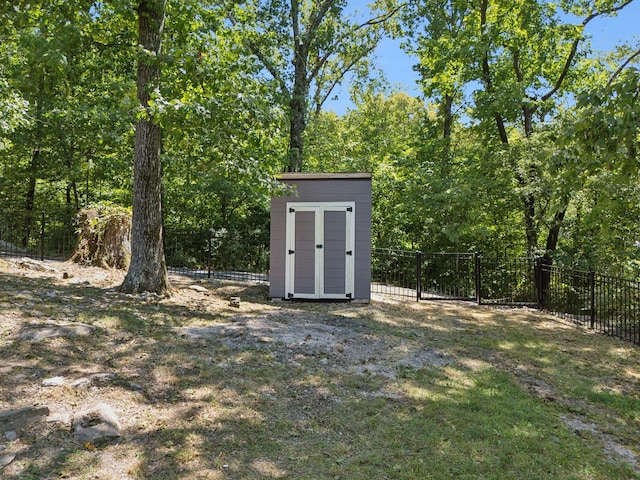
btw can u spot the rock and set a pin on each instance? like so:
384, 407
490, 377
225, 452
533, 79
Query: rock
234, 302
15, 419
10, 436
81, 382
53, 382
198, 288
96, 424
6, 459
41, 332
59, 417
102, 377
31, 264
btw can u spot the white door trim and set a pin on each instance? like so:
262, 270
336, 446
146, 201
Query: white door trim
319, 208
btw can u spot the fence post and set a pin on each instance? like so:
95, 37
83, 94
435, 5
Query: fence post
538, 280
42, 237
209, 255
478, 279
418, 275
592, 292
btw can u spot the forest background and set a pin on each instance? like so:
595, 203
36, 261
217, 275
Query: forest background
523, 141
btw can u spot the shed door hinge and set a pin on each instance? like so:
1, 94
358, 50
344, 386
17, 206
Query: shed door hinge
291, 210
290, 295
349, 252
349, 209
348, 295
291, 252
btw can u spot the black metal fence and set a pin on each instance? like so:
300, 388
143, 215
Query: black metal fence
37, 235
423, 276
610, 305
604, 303
506, 281
224, 254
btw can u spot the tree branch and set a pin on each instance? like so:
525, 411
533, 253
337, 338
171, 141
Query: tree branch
331, 50
316, 19
574, 49
271, 68
486, 73
336, 81
622, 67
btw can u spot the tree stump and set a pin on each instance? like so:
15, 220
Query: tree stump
104, 238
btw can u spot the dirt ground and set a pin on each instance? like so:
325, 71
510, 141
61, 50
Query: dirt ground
51, 305
71, 341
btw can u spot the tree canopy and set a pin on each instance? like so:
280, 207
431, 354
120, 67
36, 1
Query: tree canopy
524, 140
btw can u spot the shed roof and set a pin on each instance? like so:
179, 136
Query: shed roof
322, 176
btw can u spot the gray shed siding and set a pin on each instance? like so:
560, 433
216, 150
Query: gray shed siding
320, 188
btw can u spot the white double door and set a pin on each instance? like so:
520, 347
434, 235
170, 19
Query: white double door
320, 250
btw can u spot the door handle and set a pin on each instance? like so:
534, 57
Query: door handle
318, 246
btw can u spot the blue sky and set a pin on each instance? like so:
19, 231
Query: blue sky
606, 33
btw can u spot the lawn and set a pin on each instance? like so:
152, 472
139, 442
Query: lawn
389, 390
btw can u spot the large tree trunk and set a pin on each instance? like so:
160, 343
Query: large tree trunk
298, 102
297, 127
148, 271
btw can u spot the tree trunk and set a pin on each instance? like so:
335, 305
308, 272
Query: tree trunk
447, 127
486, 72
34, 166
543, 279
298, 109
298, 102
30, 198
147, 271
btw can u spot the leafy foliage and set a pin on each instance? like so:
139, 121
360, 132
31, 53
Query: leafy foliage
526, 141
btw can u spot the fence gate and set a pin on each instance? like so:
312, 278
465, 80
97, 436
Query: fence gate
320, 250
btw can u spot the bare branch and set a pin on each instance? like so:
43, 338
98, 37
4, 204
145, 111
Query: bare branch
382, 18
331, 50
336, 81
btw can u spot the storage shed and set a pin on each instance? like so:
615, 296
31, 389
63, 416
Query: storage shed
321, 238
